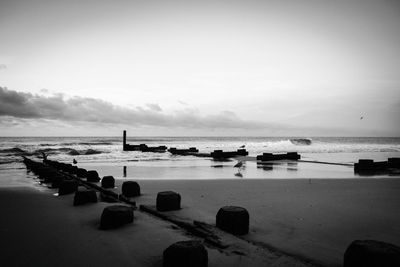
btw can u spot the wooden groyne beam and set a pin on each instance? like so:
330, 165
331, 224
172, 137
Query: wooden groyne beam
196, 228
141, 147
328, 163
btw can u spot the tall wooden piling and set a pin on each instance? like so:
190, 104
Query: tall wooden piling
124, 141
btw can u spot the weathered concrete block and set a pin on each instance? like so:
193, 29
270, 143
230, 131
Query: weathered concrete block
394, 162
56, 181
168, 200
371, 253
234, 220
115, 216
67, 187
292, 155
46, 174
186, 253
73, 170
92, 176
130, 189
108, 182
85, 196
81, 173
67, 167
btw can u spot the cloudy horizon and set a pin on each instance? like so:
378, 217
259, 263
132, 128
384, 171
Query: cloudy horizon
260, 68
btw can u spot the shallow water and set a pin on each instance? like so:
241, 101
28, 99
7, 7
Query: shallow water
109, 159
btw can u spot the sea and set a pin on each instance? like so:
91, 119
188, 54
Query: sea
105, 154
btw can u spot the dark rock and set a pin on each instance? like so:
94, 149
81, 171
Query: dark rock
116, 216
67, 187
168, 200
186, 253
85, 196
371, 253
81, 173
234, 220
130, 189
108, 182
92, 176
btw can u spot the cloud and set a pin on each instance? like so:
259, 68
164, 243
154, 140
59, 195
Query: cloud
183, 103
81, 109
154, 107
3, 66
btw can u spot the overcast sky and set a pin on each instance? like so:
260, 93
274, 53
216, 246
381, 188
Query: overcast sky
294, 68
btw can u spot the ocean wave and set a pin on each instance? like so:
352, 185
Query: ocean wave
95, 143
92, 152
87, 143
151, 159
301, 141
48, 144
67, 150
13, 150
7, 161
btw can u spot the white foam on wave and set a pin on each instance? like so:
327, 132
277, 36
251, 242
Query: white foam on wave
112, 153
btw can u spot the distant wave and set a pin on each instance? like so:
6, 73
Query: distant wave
301, 141
92, 152
51, 151
95, 143
67, 150
7, 161
150, 159
87, 143
143, 140
13, 150
47, 144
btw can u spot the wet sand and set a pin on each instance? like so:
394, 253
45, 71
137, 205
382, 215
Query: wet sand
310, 219
316, 219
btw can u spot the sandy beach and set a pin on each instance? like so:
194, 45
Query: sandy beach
258, 133
293, 222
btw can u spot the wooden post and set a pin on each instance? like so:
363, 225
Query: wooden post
124, 141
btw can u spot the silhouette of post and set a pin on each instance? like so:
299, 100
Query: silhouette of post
124, 171
124, 141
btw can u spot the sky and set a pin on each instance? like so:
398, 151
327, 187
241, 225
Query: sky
212, 68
